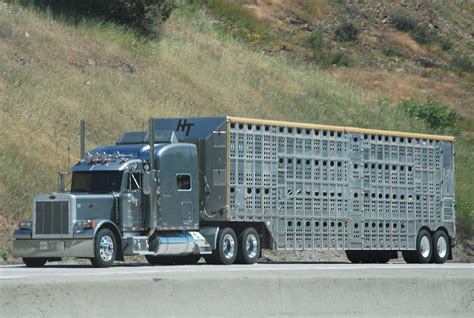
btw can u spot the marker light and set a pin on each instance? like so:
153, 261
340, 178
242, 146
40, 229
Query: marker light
25, 225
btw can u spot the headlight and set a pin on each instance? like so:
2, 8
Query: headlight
84, 224
25, 225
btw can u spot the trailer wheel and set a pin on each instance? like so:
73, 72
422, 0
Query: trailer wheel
424, 249
383, 257
369, 257
249, 246
226, 249
440, 247
34, 261
105, 249
354, 257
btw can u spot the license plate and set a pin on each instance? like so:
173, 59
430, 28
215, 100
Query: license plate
51, 245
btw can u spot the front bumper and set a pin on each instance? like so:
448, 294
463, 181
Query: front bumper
25, 246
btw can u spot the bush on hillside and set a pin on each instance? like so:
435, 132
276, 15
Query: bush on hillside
346, 32
316, 41
421, 34
462, 63
145, 15
436, 115
402, 21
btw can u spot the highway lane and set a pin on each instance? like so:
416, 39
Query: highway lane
271, 289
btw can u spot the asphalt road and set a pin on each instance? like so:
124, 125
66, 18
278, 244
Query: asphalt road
282, 289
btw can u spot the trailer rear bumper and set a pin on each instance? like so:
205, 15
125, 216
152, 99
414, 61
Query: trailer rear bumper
53, 248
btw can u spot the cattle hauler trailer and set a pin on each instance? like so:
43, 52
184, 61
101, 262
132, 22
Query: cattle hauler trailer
223, 188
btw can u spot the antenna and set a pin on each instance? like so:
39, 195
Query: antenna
56, 145
68, 151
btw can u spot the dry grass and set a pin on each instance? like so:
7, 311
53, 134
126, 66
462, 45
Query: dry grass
60, 73
400, 86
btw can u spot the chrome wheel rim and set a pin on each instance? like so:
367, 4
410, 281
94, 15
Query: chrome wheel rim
106, 248
251, 245
442, 247
228, 246
425, 247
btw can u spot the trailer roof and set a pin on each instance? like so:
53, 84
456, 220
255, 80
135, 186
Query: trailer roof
338, 128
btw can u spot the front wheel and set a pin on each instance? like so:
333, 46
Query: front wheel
34, 261
105, 249
249, 246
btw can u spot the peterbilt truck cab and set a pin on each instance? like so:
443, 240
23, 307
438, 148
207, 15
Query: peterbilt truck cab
138, 197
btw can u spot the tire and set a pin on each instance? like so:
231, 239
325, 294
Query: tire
105, 249
249, 246
226, 249
409, 256
369, 257
34, 261
354, 257
383, 257
424, 249
440, 247
159, 260
187, 260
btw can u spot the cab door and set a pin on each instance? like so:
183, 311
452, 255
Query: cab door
178, 199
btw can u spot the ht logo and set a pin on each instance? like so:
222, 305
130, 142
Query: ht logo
183, 125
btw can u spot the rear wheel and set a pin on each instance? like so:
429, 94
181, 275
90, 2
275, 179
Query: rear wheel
226, 248
424, 249
440, 247
249, 246
105, 249
34, 261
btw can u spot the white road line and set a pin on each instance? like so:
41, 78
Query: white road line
200, 269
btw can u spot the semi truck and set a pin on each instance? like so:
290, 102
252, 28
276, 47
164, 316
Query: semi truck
224, 188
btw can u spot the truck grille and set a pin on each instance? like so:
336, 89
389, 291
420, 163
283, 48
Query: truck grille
52, 217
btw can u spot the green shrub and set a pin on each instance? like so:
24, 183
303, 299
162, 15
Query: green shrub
3, 254
145, 15
436, 115
462, 63
338, 58
445, 43
346, 31
402, 21
421, 34
316, 41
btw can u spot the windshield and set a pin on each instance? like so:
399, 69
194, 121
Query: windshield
96, 181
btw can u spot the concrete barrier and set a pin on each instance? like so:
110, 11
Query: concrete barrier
240, 296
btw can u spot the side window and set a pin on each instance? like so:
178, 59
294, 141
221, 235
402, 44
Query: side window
183, 182
134, 181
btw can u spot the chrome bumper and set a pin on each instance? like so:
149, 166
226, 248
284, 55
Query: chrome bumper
25, 246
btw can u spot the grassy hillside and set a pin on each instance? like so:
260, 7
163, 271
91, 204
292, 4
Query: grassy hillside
53, 73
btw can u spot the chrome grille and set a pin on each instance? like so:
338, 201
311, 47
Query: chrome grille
52, 217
